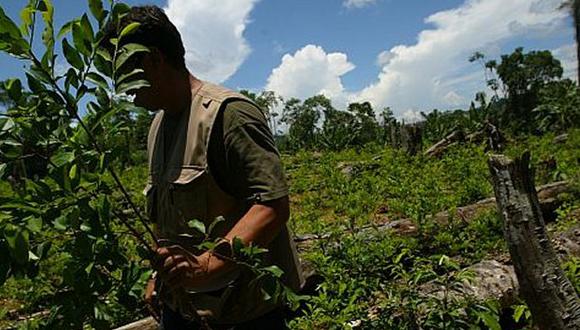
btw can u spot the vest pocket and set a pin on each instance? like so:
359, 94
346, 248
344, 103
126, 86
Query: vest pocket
188, 197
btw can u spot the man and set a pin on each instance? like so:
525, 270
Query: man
211, 154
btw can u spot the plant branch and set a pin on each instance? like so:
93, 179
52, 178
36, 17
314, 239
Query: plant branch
71, 109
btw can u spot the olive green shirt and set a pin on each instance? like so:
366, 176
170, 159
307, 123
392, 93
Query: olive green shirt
242, 155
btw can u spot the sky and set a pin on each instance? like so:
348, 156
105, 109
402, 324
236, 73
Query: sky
409, 55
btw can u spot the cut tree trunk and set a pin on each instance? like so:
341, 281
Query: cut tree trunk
412, 139
549, 294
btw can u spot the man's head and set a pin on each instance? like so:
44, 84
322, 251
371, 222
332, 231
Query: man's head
166, 56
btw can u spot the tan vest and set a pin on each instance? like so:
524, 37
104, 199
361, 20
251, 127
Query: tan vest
181, 188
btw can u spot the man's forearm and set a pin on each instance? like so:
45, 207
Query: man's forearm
259, 226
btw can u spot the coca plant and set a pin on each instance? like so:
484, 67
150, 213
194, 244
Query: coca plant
67, 200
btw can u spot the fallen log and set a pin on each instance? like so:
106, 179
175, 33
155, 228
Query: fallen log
549, 201
148, 323
495, 279
550, 296
489, 134
439, 148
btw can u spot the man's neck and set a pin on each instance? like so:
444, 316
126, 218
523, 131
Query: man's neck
179, 92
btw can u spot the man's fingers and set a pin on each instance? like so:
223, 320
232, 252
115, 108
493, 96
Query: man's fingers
172, 261
173, 249
181, 273
163, 253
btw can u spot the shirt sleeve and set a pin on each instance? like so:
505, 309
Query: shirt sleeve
250, 164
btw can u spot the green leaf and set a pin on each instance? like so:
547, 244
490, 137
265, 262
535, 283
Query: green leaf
6, 124
215, 222
490, 321
48, 17
14, 87
275, 270
34, 224
96, 7
2, 170
32, 256
26, 17
103, 162
72, 174
104, 54
71, 79
18, 243
126, 76
72, 56
197, 225
119, 10
43, 248
66, 28
34, 85
89, 34
89, 268
104, 209
133, 85
128, 51
62, 222
62, 158
130, 28
237, 245
86, 227
12, 41
81, 42
40, 74
519, 312
102, 64
98, 80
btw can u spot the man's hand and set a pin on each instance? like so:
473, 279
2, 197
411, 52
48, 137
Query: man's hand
179, 269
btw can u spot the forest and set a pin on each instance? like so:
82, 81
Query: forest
395, 221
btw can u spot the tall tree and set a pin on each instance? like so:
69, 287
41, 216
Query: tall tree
523, 75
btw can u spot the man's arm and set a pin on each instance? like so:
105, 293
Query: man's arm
259, 226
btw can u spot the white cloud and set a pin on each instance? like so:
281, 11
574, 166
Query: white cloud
212, 34
385, 57
418, 75
434, 72
567, 56
454, 99
308, 72
411, 116
358, 3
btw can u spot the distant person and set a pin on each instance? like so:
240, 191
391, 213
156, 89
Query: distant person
211, 154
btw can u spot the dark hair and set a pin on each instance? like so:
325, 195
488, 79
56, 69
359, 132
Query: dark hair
155, 31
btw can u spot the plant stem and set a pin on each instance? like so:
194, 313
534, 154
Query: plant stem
71, 109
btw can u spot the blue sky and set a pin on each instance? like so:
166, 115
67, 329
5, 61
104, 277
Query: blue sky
410, 55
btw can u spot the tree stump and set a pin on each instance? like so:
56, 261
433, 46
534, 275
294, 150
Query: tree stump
550, 296
412, 139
